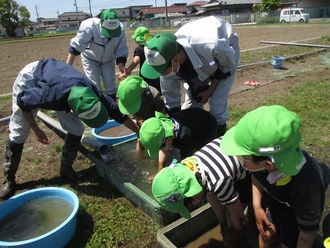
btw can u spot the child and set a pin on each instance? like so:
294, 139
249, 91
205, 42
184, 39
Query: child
188, 130
141, 36
137, 98
208, 173
267, 140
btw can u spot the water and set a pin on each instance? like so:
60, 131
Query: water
117, 131
136, 166
34, 218
210, 239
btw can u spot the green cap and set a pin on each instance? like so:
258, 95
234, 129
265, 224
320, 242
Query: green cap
154, 131
271, 131
141, 34
172, 184
110, 23
159, 51
130, 94
87, 106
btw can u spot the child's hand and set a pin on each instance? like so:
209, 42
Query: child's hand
139, 147
139, 122
151, 178
121, 76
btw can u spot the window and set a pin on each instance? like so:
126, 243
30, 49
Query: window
225, 12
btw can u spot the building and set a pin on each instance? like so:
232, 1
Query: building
225, 8
72, 19
164, 16
196, 8
46, 23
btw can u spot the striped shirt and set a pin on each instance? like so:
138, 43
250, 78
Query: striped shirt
219, 172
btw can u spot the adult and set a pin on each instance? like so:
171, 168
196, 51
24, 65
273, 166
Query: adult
188, 131
205, 54
55, 85
210, 173
268, 141
141, 36
101, 42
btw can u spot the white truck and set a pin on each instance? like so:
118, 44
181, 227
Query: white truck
294, 15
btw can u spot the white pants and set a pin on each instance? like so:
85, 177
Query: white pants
171, 89
94, 70
19, 127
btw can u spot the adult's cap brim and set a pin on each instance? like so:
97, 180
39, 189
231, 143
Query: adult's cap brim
152, 72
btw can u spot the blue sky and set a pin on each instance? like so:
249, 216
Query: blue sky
49, 8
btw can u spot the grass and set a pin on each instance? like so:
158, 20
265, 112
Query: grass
265, 54
309, 102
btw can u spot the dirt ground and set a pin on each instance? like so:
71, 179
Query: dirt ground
46, 172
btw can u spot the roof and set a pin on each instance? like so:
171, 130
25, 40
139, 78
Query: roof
170, 9
230, 2
289, 2
73, 13
48, 19
197, 3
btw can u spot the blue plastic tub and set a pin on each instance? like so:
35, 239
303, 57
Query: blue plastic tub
59, 236
112, 140
277, 62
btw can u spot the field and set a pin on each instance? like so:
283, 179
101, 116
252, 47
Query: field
121, 222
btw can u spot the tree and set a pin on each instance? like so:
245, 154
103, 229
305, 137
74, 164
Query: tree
269, 5
11, 15
257, 7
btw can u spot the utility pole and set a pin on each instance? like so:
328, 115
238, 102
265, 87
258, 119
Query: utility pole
58, 18
75, 4
90, 8
37, 13
166, 14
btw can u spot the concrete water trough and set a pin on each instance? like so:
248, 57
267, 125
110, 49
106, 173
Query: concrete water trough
126, 169
202, 230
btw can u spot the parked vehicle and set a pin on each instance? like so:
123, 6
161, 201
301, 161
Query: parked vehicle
294, 15
180, 23
177, 24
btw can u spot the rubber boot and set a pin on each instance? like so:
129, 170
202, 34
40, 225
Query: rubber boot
221, 129
11, 162
69, 154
